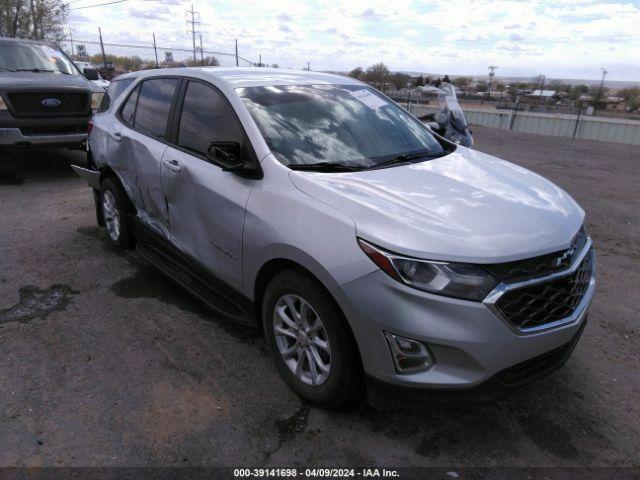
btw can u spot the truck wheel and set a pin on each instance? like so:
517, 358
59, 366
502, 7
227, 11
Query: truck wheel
115, 208
310, 340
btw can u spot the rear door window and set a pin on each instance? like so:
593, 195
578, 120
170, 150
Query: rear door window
206, 118
154, 104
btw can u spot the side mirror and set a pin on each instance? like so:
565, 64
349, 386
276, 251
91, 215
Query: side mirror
225, 153
90, 73
230, 157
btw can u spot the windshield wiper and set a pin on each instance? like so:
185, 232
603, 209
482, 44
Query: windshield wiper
324, 167
406, 157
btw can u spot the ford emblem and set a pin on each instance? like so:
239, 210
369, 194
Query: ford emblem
51, 102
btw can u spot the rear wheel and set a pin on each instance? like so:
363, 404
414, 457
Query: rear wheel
310, 340
115, 208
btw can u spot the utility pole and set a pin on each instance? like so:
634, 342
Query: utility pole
601, 89
260, 60
308, 67
491, 74
73, 55
201, 53
543, 78
236, 52
155, 49
193, 32
104, 57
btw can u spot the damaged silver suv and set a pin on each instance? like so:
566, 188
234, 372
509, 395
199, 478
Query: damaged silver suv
376, 255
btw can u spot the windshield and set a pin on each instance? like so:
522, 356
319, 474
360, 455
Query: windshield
347, 124
19, 57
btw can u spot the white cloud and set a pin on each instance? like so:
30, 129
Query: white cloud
555, 37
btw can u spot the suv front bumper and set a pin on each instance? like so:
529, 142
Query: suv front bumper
386, 396
472, 346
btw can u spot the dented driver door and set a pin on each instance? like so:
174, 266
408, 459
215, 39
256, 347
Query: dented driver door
205, 204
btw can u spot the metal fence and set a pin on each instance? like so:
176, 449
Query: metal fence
560, 125
148, 52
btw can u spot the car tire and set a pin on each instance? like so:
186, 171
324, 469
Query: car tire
116, 207
317, 346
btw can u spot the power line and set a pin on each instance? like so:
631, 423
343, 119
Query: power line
98, 5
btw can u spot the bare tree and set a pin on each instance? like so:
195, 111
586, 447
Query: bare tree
631, 97
34, 19
400, 80
206, 61
462, 82
357, 72
376, 75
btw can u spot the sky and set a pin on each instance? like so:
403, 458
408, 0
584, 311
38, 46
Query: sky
559, 38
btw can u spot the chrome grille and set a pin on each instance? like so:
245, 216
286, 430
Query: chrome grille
535, 305
521, 270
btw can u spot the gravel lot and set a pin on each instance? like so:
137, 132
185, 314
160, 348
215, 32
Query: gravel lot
103, 362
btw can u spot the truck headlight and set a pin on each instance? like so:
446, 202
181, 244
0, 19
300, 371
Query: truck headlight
96, 100
3, 106
459, 280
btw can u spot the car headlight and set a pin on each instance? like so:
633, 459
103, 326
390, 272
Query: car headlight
3, 106
96, 100
459, 280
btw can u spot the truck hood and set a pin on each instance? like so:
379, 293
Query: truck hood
33, 80
466, 206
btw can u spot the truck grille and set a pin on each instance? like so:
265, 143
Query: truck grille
536, 305
31, 103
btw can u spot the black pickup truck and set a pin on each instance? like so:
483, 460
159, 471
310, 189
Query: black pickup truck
45, 101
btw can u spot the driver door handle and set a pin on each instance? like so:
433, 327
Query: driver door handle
173, 165
117, 136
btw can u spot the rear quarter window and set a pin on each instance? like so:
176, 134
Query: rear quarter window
129, 109
114, 90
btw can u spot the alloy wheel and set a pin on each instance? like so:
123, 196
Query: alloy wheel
111, 215
302, 340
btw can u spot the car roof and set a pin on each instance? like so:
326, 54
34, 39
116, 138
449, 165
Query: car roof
252, 76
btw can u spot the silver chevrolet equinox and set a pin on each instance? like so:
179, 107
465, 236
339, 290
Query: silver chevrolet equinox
377, 256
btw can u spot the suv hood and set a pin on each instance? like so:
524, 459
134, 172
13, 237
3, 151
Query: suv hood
466, 206
31, 80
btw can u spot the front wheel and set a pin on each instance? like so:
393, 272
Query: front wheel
114, 204
310, 340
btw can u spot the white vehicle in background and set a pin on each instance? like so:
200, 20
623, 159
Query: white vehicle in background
101, 82
448, 119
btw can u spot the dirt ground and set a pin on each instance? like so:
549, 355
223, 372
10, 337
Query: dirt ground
105, 363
